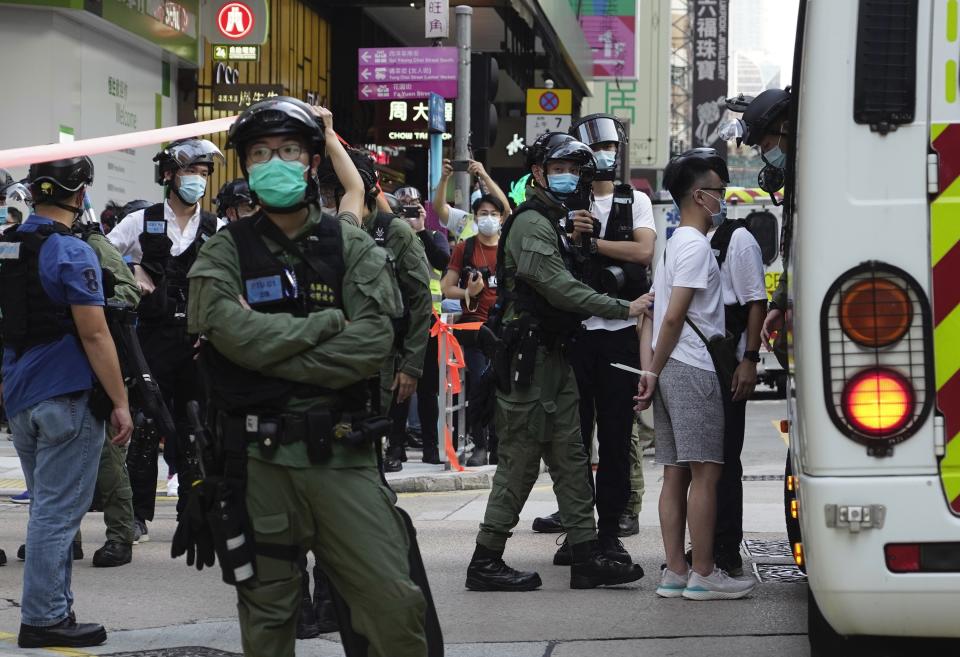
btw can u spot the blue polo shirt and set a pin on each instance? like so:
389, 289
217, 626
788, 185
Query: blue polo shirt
70, 275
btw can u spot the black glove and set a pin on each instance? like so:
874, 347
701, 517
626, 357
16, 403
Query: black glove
193, 535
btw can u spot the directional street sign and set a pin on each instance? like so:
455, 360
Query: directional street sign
404, 73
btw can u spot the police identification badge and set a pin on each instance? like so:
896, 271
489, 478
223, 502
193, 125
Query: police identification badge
9, 250
264, 289
492, 282
157, 227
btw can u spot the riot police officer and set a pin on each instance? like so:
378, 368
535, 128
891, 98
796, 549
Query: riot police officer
296, 306
233, 201
16, 203
163, 241
618, 231
543, 304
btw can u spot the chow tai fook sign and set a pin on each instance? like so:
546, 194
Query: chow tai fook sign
407, 122
236, 22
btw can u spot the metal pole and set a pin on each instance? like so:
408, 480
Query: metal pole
461, 138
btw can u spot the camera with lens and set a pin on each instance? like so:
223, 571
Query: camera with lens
624, 280
468, 273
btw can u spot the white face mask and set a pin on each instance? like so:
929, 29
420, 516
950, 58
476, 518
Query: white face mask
488, 225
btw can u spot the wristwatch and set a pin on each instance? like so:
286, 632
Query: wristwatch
593, 246
753, 356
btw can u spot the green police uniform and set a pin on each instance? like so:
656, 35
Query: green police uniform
336, 508
413, 278
541, 420
113, 483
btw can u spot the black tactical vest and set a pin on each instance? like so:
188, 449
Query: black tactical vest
270, 286
30, 317
553, 324
603, 272
176, 267
379, 230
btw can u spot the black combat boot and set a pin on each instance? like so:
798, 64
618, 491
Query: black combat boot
629, 525
66, 633
307, 626
323, 603
430, 452
591, 568
613, 549
113, 553
393, 459
548, 524
477, 458
563, 556
488, 572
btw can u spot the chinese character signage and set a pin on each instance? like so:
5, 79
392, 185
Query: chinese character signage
609, 26
226, 53
406, 73
709, 71
238, 97
405, 121
436, 19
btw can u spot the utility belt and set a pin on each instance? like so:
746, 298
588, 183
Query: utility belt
317, 429
515, 357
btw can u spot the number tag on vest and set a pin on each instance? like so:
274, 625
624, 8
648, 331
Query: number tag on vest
156, 227
623, 200
265, 289
9, 250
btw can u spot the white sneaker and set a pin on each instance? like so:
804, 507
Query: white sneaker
672, 584
717, 586
173, 483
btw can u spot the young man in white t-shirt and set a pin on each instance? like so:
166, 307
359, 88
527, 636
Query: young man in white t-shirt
682, 384
745, 305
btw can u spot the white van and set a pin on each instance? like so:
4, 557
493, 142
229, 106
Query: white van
872, 236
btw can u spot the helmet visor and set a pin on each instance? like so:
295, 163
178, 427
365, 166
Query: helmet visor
597, 131
16, 192
193, 152
411, 193
573, 151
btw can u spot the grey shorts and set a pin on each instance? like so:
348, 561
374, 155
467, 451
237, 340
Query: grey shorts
688, 415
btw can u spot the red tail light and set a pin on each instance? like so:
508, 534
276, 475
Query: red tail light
878, 402
903, 557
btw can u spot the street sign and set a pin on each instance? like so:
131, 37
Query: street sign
435, 120
549, 101
405, 73
436, 19
236, 22
229, 53
537, 124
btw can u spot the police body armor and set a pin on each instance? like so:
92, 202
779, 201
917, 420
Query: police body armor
30, 317
380, 230
270, 286
617, 278
169, 271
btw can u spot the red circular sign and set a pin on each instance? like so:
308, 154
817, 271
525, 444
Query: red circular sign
235, 20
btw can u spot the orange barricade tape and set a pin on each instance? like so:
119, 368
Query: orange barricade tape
455, 362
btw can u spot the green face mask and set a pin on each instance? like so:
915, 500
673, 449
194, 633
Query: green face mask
279, 184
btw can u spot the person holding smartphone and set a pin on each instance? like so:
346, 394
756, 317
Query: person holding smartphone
463, 224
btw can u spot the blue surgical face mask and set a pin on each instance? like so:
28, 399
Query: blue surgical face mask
279, 184
776, 157
563, 183
191, 188
717, 218
605, 159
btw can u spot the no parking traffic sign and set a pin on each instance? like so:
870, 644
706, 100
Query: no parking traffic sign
549, 101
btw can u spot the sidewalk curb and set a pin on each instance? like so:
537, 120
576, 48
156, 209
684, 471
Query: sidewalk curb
443, 482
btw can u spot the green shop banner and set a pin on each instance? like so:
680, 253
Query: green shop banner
173, 26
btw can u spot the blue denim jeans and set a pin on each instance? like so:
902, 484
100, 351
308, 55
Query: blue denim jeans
58, 442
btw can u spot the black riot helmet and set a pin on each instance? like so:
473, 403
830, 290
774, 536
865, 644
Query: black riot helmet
52, 182
596, 129
760, 114
184, 153
568, 149
281, 115
366, 167
232, 195
547, 140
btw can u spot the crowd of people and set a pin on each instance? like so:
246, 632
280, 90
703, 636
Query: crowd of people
283, 353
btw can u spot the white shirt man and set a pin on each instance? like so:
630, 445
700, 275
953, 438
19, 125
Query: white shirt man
126, 235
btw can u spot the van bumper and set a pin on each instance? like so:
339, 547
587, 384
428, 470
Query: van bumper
847, 570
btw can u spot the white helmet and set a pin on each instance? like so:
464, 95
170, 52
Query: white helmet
16, 203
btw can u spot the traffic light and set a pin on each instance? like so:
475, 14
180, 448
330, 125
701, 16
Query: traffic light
484, 78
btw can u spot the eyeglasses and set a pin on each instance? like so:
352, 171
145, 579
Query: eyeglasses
721, 190
287, 152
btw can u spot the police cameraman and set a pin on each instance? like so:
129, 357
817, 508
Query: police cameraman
62, 381
163, 241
